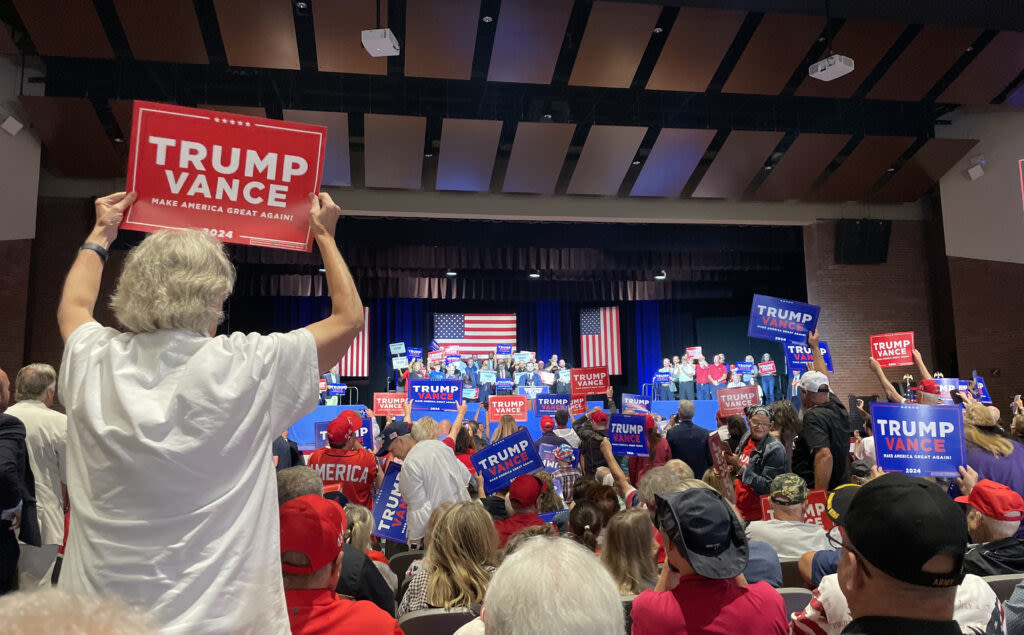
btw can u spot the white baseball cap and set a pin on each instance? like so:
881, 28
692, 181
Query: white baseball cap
814, 381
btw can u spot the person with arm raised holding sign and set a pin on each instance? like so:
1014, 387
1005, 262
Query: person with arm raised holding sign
821, 452
928, 390
760, 459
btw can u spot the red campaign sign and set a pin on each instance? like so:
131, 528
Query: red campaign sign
241, 179
693, 352
816, 511
434, 357
589, 381
388, 403
577, 405
323, 385
721, 467
893, 349
515, 405
766, 368
451, 349
734, 401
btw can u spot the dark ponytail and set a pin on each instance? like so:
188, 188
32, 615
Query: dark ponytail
585, 524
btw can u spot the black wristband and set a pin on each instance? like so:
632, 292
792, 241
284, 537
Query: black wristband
97, 248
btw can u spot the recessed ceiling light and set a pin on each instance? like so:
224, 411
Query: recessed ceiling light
768, 167
488, 19
547, 115
661, 275
891, 170
636, 161
658, 29
118, 140
451, 274
534, 274
301, 5
428, 154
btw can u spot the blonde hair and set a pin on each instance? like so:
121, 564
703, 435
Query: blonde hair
63, 612
424, 429
360, 524
506, 427
628, 551
976, 418
462, 547
679, 468
173, 280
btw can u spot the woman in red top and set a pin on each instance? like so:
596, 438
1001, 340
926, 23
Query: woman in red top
659, 453
760, 457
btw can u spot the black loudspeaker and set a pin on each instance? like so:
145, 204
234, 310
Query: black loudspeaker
862, 241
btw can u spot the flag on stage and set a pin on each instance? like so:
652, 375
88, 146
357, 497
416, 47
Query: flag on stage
434, 346
475, 333
599, 339
356, 362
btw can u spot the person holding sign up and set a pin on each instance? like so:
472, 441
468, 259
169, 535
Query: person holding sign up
761, 458
821, 452
182, 422
927, 389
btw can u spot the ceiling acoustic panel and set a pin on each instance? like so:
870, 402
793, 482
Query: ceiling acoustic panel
467, 153
925, 60
537, 155
776, 49
866, 42
337, 27
615, 39
929, 164
668, 167
606, 155
744, 153
859, 172
76, 143
165, 31
258, 33
800, 166
65, 28
527, 40
990, 72
440, 36
394, 151
337, 167
694, 49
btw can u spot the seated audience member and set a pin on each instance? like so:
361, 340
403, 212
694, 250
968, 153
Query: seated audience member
585, 524
679, 468
864, 448
989, 453
59, 612
522, 498
565, 475
460, 560
519, 538
759, 458
787, 532
345, 462
901, 565
563, 429
549, 500
312, 534
417, 564
547, 429
507, 426
359, 577
551, 585
357, 534
606, 500
993, 518
815, 565
430, 472
465, 447
711, 479
701, 588
785, 427
658, 452
629, 551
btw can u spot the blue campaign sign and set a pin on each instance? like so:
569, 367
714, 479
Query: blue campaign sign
636, 402
564, 376
389, 509
799, 355
366, 433
781, 320
745, 368
981, 389
918, 439
661, 379
434, 346
487, 376
549, 517
414, 353
550, 404
336, 390
452, 359
504, 384
503, 350
946, 385
435, 394
547, 457
320, 430
627, 435
532, 391
500, 463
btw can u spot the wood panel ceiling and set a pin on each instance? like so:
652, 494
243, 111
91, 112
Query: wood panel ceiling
165, 31
616, 37
779, 44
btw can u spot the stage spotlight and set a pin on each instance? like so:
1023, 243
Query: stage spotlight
661, 275
534, 274
451, 274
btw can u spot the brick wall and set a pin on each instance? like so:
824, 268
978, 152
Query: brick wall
14, 275
988, 311
860, 300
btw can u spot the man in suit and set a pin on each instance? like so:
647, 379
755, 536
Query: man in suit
531, 377
332, 377
17, 493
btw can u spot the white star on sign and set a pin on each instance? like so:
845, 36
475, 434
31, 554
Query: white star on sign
217, 119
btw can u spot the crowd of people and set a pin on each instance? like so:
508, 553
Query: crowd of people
160, 488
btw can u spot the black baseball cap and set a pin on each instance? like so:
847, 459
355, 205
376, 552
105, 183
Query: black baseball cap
701, 525
394, 430
837, 503
898, 523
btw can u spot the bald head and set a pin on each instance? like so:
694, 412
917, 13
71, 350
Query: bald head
5, 390
994, 413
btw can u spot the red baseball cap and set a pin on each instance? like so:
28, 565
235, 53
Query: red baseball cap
648, 422
313, 526
599, 417
547, 423
995, 500
343, 425
929, 386
525, 490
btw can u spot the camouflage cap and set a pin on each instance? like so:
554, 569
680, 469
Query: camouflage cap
788, 489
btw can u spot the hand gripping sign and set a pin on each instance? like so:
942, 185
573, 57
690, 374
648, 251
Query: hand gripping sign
627, 435
500, 405
798, 356
389, 509
241, 179
893, 349
916, 439
781, 320
734, 401
500, 463
589, 381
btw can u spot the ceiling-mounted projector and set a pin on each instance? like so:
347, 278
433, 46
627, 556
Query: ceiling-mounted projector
380, 43
831, 67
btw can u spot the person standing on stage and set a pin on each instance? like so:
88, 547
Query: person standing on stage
718, 374
767, 381
702, 373
684, 376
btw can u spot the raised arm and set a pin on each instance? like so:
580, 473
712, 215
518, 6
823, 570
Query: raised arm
82, 286
819, 360
890, 392
336, 332
921, 368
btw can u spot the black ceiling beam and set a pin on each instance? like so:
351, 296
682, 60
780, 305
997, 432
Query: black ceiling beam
450, 98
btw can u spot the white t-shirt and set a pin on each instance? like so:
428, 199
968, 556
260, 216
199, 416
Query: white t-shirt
172, 485
789, 538
569, 435
46, 434
430, 476
863, 450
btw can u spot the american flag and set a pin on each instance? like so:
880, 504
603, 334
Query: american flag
599, 338
475, 333
356, 362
